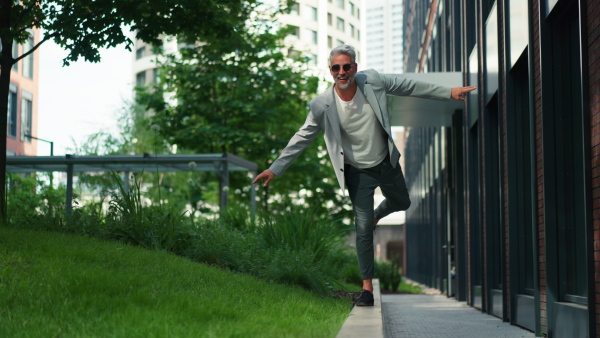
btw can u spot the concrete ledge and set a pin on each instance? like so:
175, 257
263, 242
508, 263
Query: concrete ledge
365, 321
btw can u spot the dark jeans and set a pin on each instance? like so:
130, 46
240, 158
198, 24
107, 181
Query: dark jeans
361, 185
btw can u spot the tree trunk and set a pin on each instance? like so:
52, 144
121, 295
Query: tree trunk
6, 62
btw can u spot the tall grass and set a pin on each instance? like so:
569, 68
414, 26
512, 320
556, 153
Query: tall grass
389, 274
302, 230
294, 247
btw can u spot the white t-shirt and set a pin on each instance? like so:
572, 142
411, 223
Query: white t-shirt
363, 138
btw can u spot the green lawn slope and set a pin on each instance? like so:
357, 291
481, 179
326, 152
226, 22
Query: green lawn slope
58, 285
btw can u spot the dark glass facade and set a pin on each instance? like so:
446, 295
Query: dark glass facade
506, 201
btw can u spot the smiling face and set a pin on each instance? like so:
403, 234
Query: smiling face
343, 78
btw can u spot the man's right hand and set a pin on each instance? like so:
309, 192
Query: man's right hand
265, 176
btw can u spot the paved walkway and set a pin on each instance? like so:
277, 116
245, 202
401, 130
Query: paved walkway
433, 316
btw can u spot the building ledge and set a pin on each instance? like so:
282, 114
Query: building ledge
416, 112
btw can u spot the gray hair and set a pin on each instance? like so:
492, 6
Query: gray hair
343, 49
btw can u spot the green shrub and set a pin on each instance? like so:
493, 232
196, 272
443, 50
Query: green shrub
350, 272
27, 195
388, 274
238, 217
300, 229
293, 247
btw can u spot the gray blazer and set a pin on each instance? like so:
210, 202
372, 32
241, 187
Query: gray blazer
323, 116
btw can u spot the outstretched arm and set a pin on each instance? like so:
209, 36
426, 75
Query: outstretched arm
459, 93
402, 86
302, 139
267, 176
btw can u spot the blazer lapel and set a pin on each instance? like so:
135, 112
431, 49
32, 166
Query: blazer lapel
332, 114
370, 95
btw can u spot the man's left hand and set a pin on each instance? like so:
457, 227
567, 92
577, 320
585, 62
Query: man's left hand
459, 93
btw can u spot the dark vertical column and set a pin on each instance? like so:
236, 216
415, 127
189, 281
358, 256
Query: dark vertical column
590, 24
459, 224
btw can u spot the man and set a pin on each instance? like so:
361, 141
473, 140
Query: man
354, 118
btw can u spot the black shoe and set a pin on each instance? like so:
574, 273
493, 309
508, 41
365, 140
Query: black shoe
365, 299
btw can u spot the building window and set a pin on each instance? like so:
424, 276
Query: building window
563, 170
351, 30
312, 36
12, 112
157, 50
339, 42
155, 76
28, 60
140, 78
351, 8
140, 52
340, 3
358, 34
519, 29
340, 24
358, 13
15, 54
519, 177
329, 42
329, 19
26, 115
295, 31
293, 54
295, 8
311, 13
312, 59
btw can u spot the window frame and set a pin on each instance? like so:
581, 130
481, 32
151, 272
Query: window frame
28, 61
26, 115
340, 22
13, 111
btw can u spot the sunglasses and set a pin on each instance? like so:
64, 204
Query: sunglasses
336, 68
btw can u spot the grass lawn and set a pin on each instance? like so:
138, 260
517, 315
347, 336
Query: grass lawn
409, 288
57, 285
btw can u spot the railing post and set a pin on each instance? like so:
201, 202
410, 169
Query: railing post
69, 206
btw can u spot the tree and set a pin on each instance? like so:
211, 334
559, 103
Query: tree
244, 96
82, 27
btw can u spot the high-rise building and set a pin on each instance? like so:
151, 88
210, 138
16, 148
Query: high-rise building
22, 113
384, 40
145, 59
321, 25
318, 26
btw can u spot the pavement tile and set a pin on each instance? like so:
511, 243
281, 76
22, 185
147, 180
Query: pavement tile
433, 316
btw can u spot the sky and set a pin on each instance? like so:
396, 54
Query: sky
81, 99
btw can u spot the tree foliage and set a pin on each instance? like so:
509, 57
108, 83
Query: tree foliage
244, 95
31, 193
83, 27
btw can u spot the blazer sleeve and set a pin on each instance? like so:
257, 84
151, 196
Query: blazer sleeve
302, 139
400, 86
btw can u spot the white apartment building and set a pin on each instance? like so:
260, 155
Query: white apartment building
319, 26
384, 41
323, 24
145, 57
